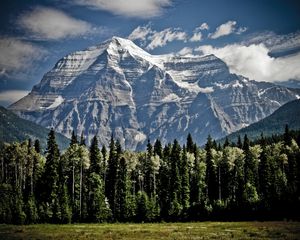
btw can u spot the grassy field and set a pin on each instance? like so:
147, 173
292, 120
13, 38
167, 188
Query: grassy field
199, 230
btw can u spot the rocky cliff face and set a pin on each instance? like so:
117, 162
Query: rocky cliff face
117, 88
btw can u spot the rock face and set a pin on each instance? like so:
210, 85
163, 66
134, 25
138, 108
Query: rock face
118, 88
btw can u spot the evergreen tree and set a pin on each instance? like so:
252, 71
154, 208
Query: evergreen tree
37, 147
239, 143
111, 176
142, 211
122, 193
157, 149
82, 140
211, 175
50, 179
149, 172
287, 136
175, 181
73, 139
98, 208
185, 182
189, 144
265, 177
95, 157
164, 183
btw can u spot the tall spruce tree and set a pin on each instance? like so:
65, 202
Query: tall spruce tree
95, 157
175, 181
111, 176
122, 193
211, 175
185, 181
73, 138
50, 179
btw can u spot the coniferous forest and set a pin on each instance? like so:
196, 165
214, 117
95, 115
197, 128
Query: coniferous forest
243, 180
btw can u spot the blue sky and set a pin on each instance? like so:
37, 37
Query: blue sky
259, 39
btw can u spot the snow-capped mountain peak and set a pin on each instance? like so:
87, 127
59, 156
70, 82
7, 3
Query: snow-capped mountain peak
118, 88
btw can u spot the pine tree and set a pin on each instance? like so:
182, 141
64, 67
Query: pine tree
185, 182
164, 183
95, 157
239, 142
211, 175
265, 177
149, 172
287, 136
175, 181
37, 147
50, 178
122, 193
111, 176
82, 140
157, 149
189, 144
73, 139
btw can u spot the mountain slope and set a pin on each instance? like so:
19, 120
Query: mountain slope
118, 88
289, 114
13, 128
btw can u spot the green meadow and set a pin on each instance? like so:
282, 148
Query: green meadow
195, 230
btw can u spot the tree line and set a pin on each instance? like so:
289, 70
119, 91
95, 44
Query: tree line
233, 181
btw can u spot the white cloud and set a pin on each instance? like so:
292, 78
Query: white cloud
275, 43
197, 37
160, 39
185, 51
203, 26
254, 62
241, 30
129, 8
11, 96
17, 55
224, 29
51, 24
141, 33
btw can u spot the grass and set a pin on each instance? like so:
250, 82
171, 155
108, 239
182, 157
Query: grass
172, 231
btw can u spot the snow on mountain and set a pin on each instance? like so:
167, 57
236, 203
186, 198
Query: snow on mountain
118, 88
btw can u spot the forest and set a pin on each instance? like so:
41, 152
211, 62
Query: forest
242, 180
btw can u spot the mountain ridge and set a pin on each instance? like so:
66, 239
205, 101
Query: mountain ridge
13, 128
288, 114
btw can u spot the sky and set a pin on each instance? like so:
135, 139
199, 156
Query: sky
259, 39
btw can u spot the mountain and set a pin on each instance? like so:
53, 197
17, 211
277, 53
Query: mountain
289, 114
289, 84
118, 88
13, 128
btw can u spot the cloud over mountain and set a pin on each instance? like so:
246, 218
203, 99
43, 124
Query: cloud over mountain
254, 62
129, 8
45, 23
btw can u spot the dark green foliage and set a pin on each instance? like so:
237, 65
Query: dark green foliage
37, 146
50, 179
274, 124
73, 138
82, 140
158, 148
255, 180
189, 144
112, 174
211, 175
98, 210
16, 129
95, 157
185, 181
